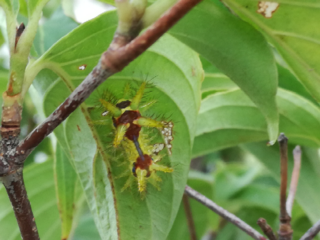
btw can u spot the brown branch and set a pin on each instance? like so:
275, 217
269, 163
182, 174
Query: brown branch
266, 229
294, 179
312, 232
21, 206
285, 231
187, 209
224, 213
12, 156
112, 61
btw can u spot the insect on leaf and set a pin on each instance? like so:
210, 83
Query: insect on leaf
173, 73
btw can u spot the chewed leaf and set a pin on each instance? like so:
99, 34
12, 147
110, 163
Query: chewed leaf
102, 164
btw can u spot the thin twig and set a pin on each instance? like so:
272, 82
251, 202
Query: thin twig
224, 213
285, 231
283, 143
266, 229
294, 179
312, 232
21, 206
187, 209
112, 61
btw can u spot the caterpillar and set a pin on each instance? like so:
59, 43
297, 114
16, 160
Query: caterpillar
129, 125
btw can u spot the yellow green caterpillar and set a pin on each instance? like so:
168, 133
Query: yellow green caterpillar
143, 157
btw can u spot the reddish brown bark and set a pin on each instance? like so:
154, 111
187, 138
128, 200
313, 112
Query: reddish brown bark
112, 61
22, 209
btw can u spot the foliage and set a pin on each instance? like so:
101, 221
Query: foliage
229, 79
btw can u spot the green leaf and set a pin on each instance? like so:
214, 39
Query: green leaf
124, 214
2, 40
111, 2
86, 229
40, 186
223, 122
232, 178
296, 38
36, 6
204, 219
251, 197
308, 181
229, 117
48, 33
289, 82
66, 187
238, 50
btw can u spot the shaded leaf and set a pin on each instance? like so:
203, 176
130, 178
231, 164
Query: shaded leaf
86, 228
308, 181
66, 187
228, 118
223, 122
296, 38
48, 32
238, 50
204, 219
232, 178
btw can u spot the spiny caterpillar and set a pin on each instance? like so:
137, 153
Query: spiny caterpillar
143, 157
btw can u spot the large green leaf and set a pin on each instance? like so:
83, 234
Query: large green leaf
175, 74
296, 38
308, 181
238, 50
40, 186
223, 122
227, 118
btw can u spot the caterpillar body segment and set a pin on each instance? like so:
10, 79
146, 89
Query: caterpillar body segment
142, 157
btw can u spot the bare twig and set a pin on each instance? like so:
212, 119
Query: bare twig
21, 206
312, 232
294, 179
266, 229
189, 216
112, 61
224, 213
285, 231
